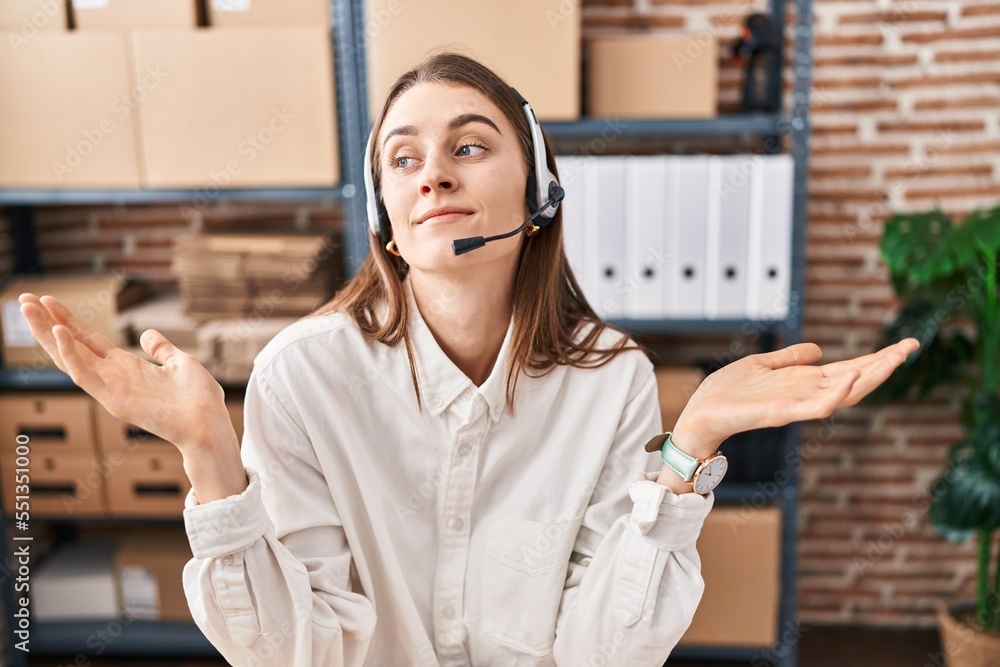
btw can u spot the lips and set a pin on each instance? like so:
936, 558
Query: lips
443, 213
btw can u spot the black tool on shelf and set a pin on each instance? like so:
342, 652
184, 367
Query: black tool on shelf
757, 49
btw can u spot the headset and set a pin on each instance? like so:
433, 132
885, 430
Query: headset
542, 192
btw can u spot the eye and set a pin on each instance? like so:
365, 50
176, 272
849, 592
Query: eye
395, 160
470, 145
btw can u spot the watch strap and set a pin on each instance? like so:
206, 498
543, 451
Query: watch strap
680, 462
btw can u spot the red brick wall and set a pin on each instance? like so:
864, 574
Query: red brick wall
906, 105
138, 239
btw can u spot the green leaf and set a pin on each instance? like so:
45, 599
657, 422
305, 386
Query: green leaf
968, 249
968, 491
954, 534
910, 247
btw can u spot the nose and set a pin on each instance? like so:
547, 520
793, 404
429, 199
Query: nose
437, 174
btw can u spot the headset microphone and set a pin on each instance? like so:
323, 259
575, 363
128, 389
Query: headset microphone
461, 246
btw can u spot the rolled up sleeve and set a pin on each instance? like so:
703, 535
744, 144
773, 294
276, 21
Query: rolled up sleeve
269, 583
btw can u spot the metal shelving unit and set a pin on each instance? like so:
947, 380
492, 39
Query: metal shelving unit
149, 638
347, 37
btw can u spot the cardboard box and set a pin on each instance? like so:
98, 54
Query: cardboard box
676, 385
268, 13
740, 603
228, 347
149, 566
131, 14
23, 19
72, 123
58, 486
652, 76
152, 485
75, 583
55, 424
164, 313
94, 298
239, 108
494, 32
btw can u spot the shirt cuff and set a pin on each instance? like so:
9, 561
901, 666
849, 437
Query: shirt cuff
671, 520
226, 525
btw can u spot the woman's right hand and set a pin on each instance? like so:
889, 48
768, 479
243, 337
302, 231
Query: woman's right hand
179, 401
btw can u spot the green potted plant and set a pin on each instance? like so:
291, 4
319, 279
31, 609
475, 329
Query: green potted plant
946, 278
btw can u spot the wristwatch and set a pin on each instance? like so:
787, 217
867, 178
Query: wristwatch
702, 475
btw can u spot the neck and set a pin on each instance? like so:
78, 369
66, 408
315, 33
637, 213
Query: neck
468, 316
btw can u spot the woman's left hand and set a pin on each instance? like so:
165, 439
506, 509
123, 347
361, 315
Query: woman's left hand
778, 388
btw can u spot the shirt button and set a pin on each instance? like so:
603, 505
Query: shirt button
466, 393
456, 524
449, 612
445, 639
464, 449
228, 560
437, 401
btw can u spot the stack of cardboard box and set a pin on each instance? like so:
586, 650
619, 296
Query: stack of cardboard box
232, 275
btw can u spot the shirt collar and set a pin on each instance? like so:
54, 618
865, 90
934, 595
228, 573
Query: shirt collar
441, 381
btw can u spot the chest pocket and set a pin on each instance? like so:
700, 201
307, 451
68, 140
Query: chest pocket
526, 564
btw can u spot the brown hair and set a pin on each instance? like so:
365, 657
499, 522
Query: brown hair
549, 305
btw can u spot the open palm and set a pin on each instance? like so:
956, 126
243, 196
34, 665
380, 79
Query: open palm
781, 387
179, 401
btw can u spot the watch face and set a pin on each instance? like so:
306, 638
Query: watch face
711, 475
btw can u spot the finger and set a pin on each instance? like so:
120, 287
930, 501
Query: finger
100, 345
905, 347
81, 362
857, 363
874, 375
41, 325
158, 347
908, 346
798, 354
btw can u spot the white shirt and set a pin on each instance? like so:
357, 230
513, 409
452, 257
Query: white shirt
373, 535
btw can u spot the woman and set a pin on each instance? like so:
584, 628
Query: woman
480, 494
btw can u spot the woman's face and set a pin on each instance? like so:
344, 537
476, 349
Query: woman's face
450, 146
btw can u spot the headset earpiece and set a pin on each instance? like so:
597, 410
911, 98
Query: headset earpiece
540, 179
378, 217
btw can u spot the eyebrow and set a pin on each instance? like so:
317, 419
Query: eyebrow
456, 122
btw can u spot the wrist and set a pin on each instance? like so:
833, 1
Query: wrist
217, 435
691, 437
215, 471
673, 481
